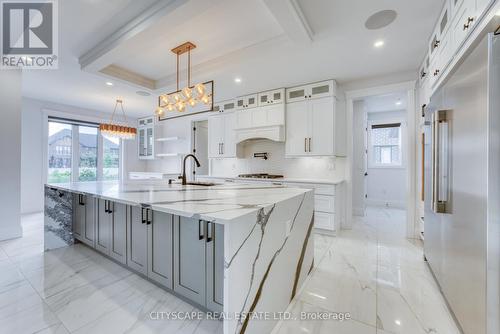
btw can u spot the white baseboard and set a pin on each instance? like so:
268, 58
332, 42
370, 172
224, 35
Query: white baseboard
385, 203
11, 232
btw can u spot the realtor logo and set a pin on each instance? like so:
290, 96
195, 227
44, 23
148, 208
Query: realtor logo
29, 37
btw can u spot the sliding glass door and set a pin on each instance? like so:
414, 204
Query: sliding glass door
78, 152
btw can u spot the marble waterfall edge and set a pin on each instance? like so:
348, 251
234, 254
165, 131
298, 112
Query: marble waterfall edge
269, 254
58, 219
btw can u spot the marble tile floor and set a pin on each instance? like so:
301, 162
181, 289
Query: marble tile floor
376, 275
371, 271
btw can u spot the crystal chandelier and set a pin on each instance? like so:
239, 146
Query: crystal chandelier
189, 95
115, 130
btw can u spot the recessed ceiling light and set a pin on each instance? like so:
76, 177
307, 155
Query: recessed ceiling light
398, 102
380, 19
237, 80
379, 44
397, 322
109, 83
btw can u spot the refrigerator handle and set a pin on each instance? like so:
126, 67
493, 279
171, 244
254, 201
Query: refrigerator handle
440, 168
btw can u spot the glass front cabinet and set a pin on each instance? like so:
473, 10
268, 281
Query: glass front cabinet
145, 138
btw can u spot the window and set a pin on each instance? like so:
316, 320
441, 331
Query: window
59, 153
385, 145
87, 138
111, 161
74, 153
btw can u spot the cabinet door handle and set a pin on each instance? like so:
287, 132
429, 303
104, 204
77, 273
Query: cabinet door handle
201, 232
80, 199
210, 231
106, 206
142, 216
111, 206
149, 216
305, 144
222, 145
309, 144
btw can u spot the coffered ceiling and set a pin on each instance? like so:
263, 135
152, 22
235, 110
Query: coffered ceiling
265, 43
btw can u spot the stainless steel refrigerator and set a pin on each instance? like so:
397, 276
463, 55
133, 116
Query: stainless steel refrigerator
462, 188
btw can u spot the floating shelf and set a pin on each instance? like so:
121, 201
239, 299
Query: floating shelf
168, 139
166, 155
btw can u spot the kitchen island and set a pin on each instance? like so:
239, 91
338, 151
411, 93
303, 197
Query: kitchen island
243, 250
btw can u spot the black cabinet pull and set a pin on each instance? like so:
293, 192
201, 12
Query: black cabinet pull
110, 206
210, 231
201, 233
142, 216
105, 206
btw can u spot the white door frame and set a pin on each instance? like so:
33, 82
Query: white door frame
351, 96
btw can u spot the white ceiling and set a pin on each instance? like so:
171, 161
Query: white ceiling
235, 38
386, 102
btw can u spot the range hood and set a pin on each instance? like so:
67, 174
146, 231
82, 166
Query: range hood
274, 133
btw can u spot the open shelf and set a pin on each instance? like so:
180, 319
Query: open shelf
166, 155
168, 139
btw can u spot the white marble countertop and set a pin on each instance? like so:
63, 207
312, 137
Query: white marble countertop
220, 203
284, 179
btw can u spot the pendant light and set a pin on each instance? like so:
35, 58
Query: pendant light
188, 96
115, 130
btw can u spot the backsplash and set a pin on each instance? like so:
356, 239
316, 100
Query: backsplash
304, 167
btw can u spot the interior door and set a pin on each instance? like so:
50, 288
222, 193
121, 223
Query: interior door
322, 129
190, 258
296, 130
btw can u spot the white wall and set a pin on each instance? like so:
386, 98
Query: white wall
10, 149
305, 167
387, 185
359, 158
33, 145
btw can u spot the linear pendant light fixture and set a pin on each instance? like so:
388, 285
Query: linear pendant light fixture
115, 130
190, 95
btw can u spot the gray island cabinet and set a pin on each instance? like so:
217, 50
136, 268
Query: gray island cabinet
236, 249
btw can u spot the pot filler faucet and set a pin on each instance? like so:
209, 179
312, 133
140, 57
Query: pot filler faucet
183, 177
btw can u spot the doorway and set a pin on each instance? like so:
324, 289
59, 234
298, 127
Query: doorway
381, 151
200, 147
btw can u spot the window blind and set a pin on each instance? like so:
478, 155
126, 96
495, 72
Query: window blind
383, 126
73, 121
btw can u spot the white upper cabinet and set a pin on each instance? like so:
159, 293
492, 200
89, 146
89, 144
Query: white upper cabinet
225, 106
270, 115
271, 97
145, 138
310, 91
310, 127
246, 102
221, 137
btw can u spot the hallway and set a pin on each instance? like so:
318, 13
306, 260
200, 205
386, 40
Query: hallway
377, 276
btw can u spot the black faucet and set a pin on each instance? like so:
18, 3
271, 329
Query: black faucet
183, 177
